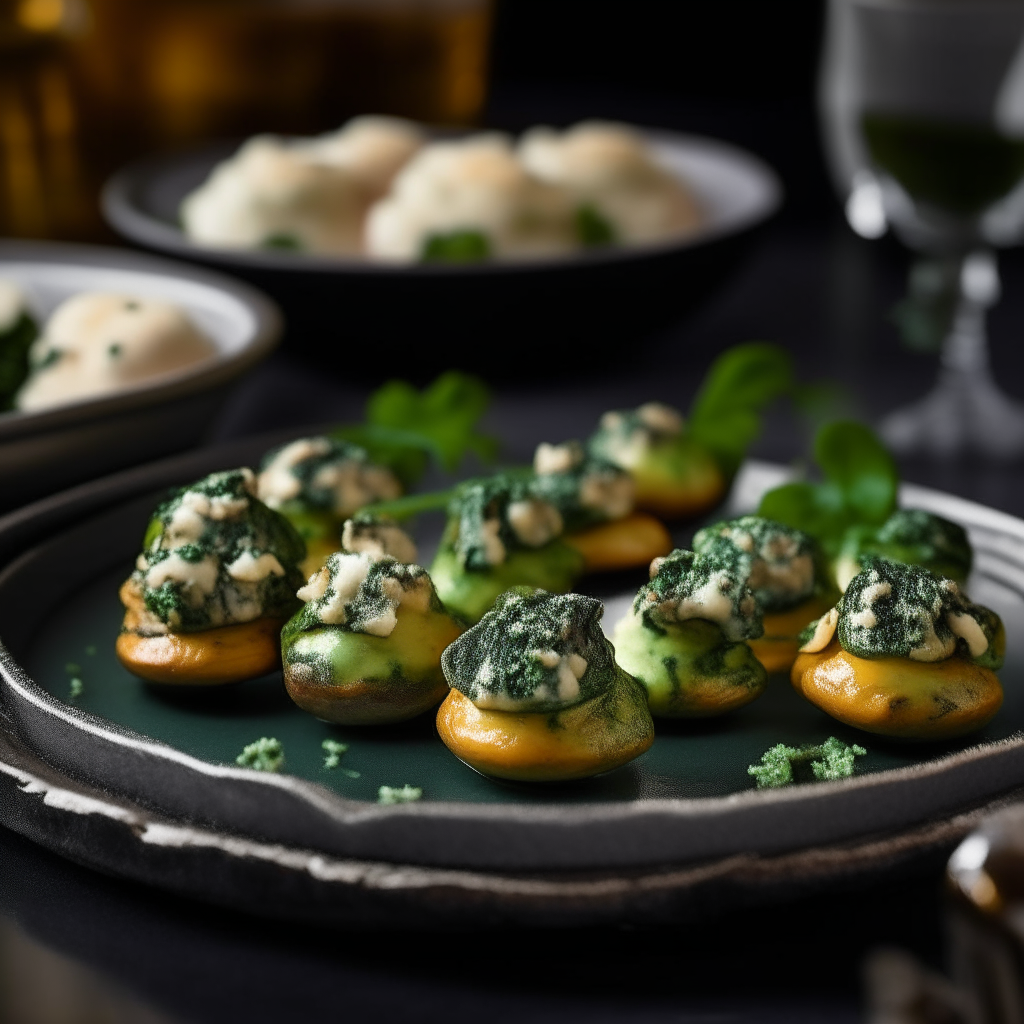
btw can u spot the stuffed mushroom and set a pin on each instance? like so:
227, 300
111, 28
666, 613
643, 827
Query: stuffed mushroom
319, 482
543, 529
536, 693
904, 653
214, 583
675, 475
366, 647
686, 637
779, 565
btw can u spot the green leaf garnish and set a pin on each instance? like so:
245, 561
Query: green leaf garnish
859, 465
282, 240
405, 428
265, 755
860, 487
832, 759
456, 247
592, 228
410, 505
333, 749
726, 414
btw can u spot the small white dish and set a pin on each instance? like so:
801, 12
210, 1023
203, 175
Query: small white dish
50, 449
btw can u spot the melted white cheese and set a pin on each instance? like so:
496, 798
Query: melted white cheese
534, 522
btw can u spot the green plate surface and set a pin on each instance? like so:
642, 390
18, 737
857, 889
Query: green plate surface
688, 759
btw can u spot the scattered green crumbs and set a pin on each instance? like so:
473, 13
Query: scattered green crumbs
398, 794
333, 750
265, 755
75, 688
832, 759
91, 650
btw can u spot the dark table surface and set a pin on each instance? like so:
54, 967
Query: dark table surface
811, 285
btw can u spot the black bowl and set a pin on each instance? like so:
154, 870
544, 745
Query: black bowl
500, 318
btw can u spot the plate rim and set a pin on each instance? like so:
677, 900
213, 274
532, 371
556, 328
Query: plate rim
123, 213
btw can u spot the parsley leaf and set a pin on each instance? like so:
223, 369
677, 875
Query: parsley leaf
406, 428
457, 247
860, 486
726, 414
592, 228
832, 759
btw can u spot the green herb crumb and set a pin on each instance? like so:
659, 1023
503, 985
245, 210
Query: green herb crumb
333, 751
91, 650
75, 688
265, 755
398, 794
72, 668
832, 759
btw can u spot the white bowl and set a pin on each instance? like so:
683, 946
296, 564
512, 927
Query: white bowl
50, 449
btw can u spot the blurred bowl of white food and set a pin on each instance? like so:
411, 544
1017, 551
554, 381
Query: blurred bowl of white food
135, 364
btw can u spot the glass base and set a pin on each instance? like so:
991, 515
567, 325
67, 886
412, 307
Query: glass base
965, 414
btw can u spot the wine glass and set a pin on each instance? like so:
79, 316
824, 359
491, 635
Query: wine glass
922, 105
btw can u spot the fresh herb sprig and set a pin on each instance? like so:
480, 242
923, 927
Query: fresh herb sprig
405, 429
832, 759
858, 488
726, 415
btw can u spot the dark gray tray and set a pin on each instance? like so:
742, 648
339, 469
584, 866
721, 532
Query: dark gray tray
647, 842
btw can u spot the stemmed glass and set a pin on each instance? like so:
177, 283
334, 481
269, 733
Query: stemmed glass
922, 105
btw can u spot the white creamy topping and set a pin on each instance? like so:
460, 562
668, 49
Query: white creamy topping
865, 617
846, 568
610, 168
711, 602
251, 569
277, 483
188, 521
12, 304
662, 419
316, 586
272, 189
350, 571
494, 548
198, 579
355, 484
474, 184
823, 633
741, 538
371, 148
966, 626
612, 494
557, 458
534, 522
932, 647
96, 343
378, 539
570, 669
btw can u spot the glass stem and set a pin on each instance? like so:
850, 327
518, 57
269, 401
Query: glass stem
966, 412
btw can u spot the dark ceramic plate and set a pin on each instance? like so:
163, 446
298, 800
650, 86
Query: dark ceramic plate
141, 781
546, 307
